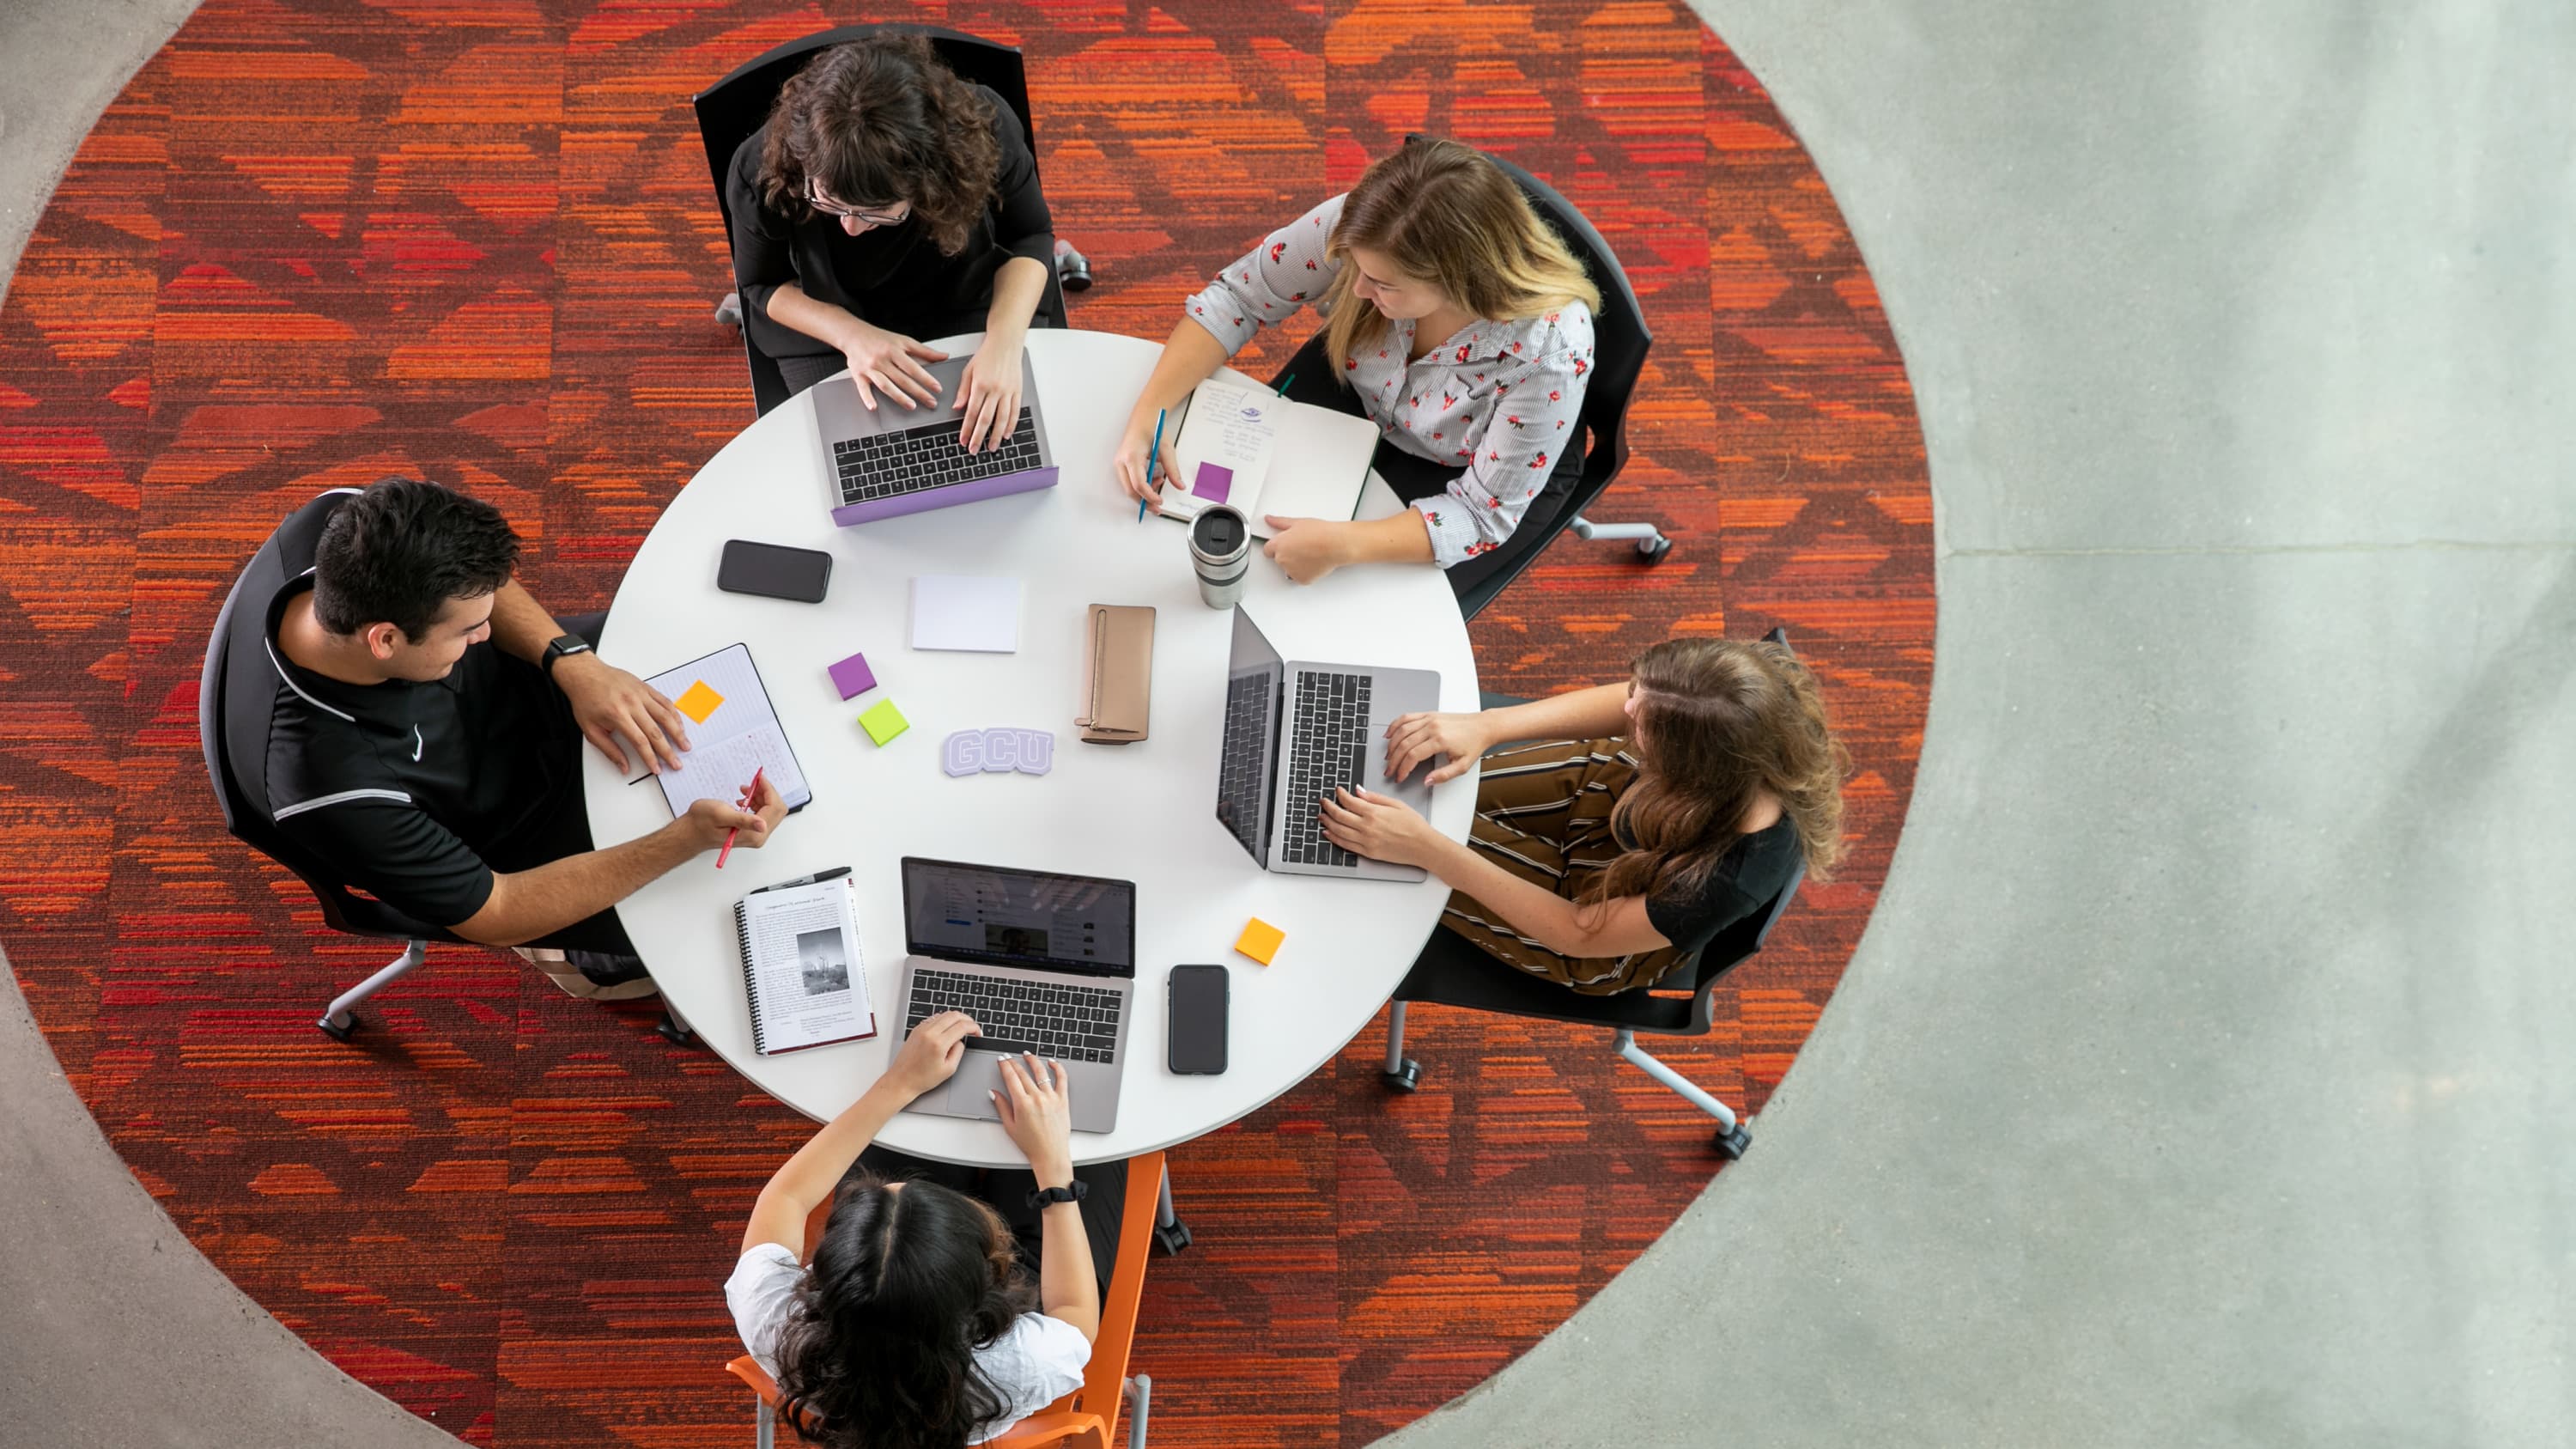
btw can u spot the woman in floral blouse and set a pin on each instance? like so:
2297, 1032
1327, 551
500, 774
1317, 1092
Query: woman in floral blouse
1456, 320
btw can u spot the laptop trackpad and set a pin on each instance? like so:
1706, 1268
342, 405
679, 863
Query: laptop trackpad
978, 1076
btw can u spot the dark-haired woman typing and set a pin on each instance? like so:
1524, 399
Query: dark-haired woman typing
1642, 819
919, 1323
886, 201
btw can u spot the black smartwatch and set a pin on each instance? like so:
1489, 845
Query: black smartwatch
1040, 1199
561, 645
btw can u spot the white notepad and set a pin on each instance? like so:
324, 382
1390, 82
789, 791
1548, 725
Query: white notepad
964, 611
740, 737
801, 966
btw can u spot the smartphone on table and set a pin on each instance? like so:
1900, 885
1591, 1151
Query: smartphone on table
1196, 1023
774, 571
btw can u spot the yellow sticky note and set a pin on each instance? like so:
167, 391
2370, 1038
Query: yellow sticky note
1260, 940
698, 701
883, 721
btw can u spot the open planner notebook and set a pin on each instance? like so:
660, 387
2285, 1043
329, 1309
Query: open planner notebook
733, 733
801, 966
1257, 452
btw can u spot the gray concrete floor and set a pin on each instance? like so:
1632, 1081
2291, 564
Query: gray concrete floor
2201, 1078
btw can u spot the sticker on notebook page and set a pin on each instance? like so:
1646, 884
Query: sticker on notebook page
1213, 483
698, 701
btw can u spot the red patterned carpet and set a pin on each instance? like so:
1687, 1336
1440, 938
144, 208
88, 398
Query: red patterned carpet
318, 240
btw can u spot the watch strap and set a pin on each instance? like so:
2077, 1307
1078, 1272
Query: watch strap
561, 645
1040, 1199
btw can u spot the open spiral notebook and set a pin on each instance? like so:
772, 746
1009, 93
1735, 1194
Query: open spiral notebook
801, 965
733, 733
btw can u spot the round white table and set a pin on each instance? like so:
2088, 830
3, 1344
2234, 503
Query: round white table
1144, 812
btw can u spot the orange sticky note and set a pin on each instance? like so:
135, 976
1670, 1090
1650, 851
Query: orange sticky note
698, 701
1260, 940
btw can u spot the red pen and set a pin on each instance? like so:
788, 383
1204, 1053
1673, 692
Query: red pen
754, 794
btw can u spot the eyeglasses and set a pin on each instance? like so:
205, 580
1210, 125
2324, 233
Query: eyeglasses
814, 199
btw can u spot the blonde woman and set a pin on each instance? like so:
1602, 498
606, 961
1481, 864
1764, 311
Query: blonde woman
1456, 320
1642, 819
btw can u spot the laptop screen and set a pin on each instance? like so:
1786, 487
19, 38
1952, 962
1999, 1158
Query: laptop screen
1029, 918
1253, 677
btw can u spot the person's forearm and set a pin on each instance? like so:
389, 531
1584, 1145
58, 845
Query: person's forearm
1402, 537
528, 904
809, 1177
1534, 911
1017, 289
1191, 355
521, 627
1577, 714
1068, 1284
822, 321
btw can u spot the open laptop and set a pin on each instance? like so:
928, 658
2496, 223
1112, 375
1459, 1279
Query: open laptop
1044, 962
1293, 732
894, 460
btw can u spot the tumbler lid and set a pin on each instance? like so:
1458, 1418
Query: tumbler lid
1218, 531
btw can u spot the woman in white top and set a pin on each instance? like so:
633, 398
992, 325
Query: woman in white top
916, 1327
1456, 320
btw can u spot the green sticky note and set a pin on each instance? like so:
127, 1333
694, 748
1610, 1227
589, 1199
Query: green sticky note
883, 721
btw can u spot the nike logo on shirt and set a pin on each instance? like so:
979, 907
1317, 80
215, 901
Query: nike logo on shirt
415, 744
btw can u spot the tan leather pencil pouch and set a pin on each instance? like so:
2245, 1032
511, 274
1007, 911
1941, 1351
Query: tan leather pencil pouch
1118, 677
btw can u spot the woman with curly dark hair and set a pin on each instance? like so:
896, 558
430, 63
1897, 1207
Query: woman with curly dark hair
885, 201
919, 1323
1646, 818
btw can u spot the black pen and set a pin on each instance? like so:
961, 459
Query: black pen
817, 878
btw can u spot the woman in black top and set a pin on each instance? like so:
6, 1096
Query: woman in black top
886, 201
1645, 818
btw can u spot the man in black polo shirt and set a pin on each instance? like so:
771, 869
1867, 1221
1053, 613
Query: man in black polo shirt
425, 719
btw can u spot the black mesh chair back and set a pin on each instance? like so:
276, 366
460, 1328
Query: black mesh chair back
731, 109
1620, 342
234, 739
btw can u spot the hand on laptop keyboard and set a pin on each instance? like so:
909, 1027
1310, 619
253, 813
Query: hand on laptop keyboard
1379, 828
989, 395
889, 362
1036, 1102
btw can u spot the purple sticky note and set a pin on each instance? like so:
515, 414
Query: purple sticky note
853, 677
1213, 483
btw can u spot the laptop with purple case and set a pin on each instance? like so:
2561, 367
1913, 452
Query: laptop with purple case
892, 460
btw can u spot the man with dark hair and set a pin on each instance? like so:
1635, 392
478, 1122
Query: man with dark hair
424, 719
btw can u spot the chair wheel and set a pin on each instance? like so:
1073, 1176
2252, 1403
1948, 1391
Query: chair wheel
335, 1031
1404, 1078
729, 311
1171, 1239
1654, 548
1732, 1141
670, 1030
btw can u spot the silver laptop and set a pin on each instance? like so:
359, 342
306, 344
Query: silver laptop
1044, 962
891, 460
1293, 732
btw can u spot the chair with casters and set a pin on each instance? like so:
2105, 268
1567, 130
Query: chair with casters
734, 107
237, 768
1453, 971
1087, 1418
1619, 347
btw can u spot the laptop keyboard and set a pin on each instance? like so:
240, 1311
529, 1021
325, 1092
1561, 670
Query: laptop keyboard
1053, 1019
915, 460
1330, 749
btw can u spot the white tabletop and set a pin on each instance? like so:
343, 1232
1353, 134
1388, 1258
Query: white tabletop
1142, 812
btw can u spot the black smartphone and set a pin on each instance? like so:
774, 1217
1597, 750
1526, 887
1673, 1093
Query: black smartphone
774, 571
1195, 1025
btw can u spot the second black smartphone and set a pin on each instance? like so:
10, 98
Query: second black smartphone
1195, 1026
774, 571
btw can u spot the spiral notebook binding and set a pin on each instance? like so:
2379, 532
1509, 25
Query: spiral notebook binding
742, 934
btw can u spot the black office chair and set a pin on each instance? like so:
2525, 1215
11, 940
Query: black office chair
1453, 971
731, 109
1619, 346
237, 766
236, 754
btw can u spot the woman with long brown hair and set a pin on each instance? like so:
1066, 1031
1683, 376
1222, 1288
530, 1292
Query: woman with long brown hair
886, 201
1646, 818
1455, 319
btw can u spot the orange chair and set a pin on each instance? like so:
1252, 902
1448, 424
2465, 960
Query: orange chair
1087, 1418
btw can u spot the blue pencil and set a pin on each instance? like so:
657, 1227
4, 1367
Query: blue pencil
1152, 455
